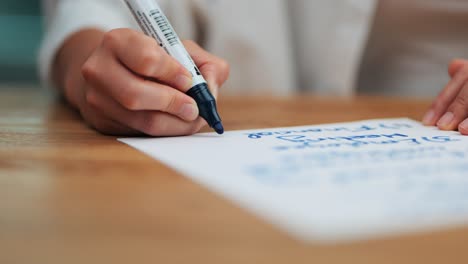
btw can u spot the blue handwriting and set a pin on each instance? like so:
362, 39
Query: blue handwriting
356, 129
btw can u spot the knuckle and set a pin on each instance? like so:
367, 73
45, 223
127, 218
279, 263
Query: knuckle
130, 101
129, 97
170, 69
90, 71
149, 58
153, 125
110, 38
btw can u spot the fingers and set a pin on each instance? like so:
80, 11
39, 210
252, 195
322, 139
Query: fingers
450, 109
214, 69
445, 99
463, 128
457, 112
142, 55
107, 75
152, 123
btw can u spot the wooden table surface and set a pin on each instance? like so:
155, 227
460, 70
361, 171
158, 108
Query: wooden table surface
71, 195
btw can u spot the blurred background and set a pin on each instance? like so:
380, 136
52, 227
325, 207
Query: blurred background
21, 31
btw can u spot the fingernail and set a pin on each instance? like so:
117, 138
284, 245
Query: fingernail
446, 120
429, 118
183, 82
189, 112
464, 126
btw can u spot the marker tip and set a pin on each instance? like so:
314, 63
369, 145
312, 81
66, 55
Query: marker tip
218, 127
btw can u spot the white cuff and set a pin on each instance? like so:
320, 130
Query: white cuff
72, 16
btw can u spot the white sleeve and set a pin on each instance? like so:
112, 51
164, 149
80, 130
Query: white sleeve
66, 17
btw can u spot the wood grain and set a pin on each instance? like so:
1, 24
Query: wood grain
71, 195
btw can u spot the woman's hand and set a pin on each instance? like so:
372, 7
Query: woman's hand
450, 110
129, 85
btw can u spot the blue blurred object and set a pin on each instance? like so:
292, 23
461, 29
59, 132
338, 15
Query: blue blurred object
21, 32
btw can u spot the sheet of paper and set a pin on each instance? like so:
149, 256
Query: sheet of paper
331, 182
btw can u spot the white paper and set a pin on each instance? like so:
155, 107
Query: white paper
331, 182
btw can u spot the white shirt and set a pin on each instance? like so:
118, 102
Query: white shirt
394, 47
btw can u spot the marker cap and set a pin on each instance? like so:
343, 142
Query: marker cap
207, 106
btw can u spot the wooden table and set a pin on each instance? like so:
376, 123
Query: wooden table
71, 195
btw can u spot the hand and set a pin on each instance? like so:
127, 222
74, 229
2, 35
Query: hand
130, 85
450, 110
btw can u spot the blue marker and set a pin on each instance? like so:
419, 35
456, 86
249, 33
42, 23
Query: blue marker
155, 24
